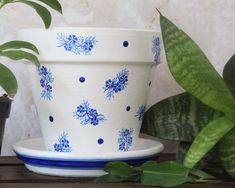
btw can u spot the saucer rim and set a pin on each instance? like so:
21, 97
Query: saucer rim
47, 155
88, 165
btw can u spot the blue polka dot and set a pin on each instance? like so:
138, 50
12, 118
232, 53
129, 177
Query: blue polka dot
128, 108
82, 79
125, 43
100, 141
51, 119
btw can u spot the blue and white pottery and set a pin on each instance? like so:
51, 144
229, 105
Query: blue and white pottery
92, 86
37, 159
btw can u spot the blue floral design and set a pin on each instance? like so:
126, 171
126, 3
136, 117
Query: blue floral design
140, 113
116, 84
88, 115
156, 49
77, 44
63, 144
45, 82
125, 139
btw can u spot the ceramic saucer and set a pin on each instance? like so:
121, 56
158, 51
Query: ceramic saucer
32, 152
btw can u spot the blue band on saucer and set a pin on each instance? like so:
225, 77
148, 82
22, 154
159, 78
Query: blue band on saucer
83, 164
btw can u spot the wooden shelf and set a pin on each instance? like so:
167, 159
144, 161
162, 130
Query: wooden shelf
13, 174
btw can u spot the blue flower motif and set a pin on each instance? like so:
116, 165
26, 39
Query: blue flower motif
67, 46
77, 44
140, 113
63, 144
92, 113
49, 88
109, 84
81, 110
88, 115
43, 70
45, 82
156, 49
42, 82
116, 84
123, 78
72, 39
87, 46
125, 139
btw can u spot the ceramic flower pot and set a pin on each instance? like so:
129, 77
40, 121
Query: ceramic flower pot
92, 86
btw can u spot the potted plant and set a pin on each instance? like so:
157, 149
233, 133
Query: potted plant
17, 50
202, 119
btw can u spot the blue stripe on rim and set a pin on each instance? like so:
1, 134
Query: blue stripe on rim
83, 164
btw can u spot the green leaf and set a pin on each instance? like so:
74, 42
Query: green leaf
18, 45
170, 167
206, 139
228, 74
205, 163
178, 118
121, 169
109, 178
42, 11
4, 2
119, 172
19, 54
193, 71
201, 174
164, 174
182, 150
8, 81
54, 4
156, 174
226, 151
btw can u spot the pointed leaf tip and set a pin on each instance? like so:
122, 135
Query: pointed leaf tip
159, 11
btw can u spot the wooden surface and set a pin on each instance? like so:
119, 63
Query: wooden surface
13, 174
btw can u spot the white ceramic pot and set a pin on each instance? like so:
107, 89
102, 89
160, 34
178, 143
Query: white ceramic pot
92, 86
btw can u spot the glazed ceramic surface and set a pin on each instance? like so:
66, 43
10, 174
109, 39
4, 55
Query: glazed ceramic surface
92, 86
37, 159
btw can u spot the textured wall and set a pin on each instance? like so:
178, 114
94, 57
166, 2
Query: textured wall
211, 23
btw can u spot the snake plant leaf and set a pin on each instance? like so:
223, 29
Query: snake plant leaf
193, 71
54, 4
8, 81
201, 174
19, 54
42, 11
229, 74
226, 151
182, 150
16, 44
206, 163
178, 118
206, 139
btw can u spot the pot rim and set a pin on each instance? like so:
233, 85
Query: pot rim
105, 29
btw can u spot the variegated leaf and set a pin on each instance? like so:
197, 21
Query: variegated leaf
178, 118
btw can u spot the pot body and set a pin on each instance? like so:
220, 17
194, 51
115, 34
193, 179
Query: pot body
92, 86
